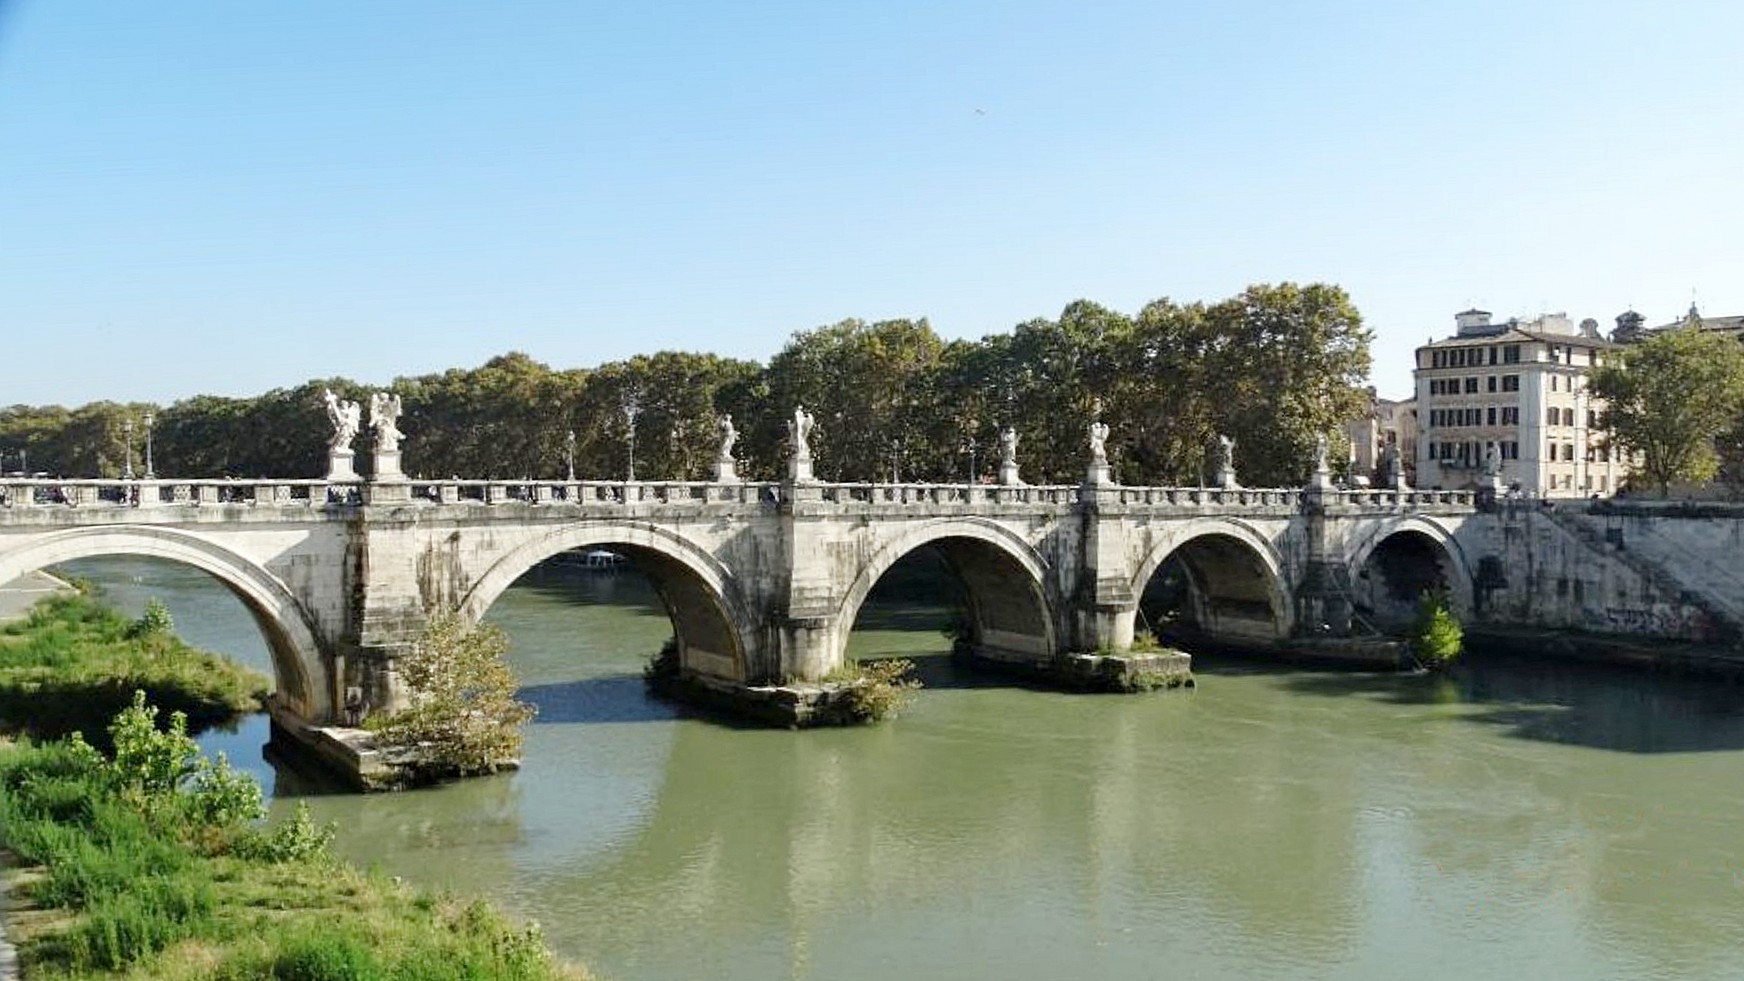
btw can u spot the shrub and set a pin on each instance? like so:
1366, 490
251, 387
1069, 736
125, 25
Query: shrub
876, 690
155, 621
1436, 637
464, 717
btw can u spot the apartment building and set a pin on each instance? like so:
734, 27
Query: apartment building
1514, 391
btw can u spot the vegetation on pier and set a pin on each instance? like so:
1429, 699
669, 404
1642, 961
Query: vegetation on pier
151, 861
73, 662
464, 717
1436, 636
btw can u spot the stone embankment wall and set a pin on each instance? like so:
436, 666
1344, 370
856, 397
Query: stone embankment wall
1653, 572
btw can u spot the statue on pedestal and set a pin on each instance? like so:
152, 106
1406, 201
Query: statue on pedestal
1099, 443
729, 436
1008, 447
384, 416
799, 432
346, 417
1320, 465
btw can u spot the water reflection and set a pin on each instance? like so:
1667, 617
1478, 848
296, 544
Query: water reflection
1509, 820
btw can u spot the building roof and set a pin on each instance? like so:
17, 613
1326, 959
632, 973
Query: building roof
1512, 332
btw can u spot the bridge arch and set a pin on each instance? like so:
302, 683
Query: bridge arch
1011, 612
301, 679
714, 630
1406, 543
1235, 575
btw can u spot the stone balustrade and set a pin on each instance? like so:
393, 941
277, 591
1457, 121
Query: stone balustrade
37, 492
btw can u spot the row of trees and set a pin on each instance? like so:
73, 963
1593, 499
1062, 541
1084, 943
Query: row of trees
1273, 368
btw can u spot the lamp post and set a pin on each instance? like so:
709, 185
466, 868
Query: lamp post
127, 435
569, 453
632, 408
150, 474
895, 459
969, 446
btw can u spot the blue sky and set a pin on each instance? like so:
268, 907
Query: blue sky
227, 197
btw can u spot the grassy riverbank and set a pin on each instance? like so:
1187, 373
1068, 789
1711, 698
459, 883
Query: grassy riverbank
73, 662
149, 864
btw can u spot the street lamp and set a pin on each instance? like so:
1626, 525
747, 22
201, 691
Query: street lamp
632, 408
969, 445
150, 474
569, 444
895, 459
127, 431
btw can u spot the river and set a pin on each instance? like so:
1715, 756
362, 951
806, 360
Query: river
1509, 821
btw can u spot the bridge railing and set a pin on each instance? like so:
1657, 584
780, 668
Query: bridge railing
1389, 499
929, 494
1190, 497
38, 492
586, 492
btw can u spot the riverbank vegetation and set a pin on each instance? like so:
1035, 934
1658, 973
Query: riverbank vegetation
1272, 367
73, 662
151, 861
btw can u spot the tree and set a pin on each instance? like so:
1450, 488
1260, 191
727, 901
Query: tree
1669, 397
464, 717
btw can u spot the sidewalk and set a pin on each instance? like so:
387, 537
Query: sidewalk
19, 595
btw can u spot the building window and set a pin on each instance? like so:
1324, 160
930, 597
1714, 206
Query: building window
1568, 452
1492, 413
1553, 381
1511, 354
1471, 386
1492, 383
1492, 354
1510, 383
1592, 419
1510, 415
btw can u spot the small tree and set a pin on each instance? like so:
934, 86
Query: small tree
1436, 637
1669, 398
464, 717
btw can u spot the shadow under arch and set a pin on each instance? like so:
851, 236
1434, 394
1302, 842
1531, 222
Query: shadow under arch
713, 629
1232, 577
1005, 586
300, 677
1390, 564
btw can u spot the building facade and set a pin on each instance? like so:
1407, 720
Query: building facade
1513, 396
1387, 423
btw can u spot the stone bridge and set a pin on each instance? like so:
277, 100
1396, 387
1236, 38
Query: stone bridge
763, 580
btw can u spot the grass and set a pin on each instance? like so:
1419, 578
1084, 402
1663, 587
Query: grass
149, 881
875, 690
73, 662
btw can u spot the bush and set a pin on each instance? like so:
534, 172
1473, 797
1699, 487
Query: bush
155, 620
464, 717
1436, 637
876, 690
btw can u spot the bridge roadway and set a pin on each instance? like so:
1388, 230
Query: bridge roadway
762, 580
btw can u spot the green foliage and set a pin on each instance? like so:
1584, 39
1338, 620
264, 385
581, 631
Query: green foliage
73, 663
1271, 368
147, 869
876, 690
1436, 636
464, 717
1668, 399
155, 620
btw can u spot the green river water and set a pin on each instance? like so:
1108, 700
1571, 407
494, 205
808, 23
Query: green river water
1510, 821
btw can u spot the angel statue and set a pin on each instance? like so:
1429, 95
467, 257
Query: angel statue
729, 436
1098, 442
346, 417
384, 413
799, 430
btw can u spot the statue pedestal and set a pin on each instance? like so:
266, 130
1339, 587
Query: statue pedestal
726, 471
387, 466
340, 469
799, 470
1400, 484
1226, 479
1099, 474
1008, 474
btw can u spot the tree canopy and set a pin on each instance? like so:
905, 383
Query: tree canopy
1669, 397
1273, 368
